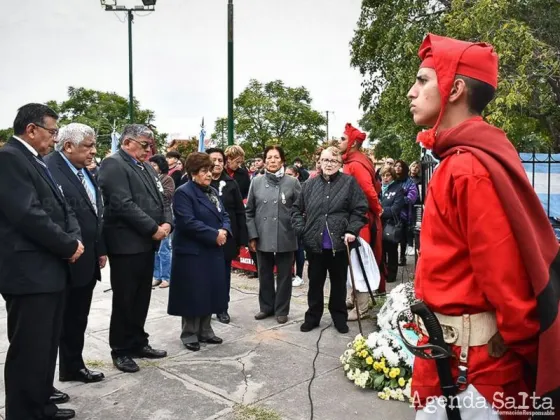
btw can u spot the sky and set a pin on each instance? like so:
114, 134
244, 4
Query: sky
180, 55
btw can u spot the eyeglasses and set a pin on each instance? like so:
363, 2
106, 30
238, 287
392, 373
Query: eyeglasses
52, 131
143, 144
330, 161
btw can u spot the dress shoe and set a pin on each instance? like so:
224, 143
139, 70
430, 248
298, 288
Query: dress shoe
282, 319
148, 352
193, 346
125, 364
64, 413
58, 397
261, 315
164, 284
342, 328
307, 326
156, 283
83, 375
223, 318
212, 340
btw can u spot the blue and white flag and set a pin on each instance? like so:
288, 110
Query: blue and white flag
114, 141
201, 138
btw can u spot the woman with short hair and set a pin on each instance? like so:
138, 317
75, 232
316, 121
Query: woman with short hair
235, 156
392, 202
229, 194
271, 234
329, 213
198, 272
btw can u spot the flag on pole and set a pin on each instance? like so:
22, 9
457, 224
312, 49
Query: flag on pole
202, 135
114, 141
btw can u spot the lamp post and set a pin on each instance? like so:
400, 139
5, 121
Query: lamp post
111, 6
230, 72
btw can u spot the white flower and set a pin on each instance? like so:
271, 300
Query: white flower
392, 358
346, 367
221, 185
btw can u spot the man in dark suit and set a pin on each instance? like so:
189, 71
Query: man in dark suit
40, 239
135, 221
75, 151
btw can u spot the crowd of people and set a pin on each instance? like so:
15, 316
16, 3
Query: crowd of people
163, 221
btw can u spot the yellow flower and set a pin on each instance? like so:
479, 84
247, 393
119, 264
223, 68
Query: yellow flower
402, 382
375, 365
398, 371
369, 360
386, 370
364, 354
392, 374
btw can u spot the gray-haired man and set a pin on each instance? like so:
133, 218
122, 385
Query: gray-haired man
136, 220
75, 150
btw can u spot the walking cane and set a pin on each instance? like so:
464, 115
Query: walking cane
354, 288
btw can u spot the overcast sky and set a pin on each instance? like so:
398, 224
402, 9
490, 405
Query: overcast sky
180, 55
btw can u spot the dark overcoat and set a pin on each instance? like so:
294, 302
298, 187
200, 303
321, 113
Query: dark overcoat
198, 266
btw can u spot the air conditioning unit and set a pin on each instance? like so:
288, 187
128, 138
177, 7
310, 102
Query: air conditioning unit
149, 2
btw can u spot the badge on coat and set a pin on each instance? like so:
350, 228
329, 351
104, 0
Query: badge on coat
159, 186
283, 198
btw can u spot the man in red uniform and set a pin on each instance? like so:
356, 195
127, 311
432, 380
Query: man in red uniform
360, 167
488, 258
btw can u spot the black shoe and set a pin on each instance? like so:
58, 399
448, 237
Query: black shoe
125, 364
148, 352
282, 319
64, 413
193, 346
342, 328
83, 375
223, 318
58, 397
213, 340
307, 326
261, 315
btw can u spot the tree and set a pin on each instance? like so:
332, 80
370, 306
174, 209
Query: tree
523, 32
220, 132
274, 113
6, 134
102, 111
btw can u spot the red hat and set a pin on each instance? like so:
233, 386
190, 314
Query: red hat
353, 135
450, 57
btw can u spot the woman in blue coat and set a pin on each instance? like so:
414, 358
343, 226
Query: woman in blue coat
198, 278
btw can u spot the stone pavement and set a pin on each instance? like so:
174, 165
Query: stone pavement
260, 372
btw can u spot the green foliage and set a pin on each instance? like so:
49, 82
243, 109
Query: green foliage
102, 110
186, 147
220, 134
273, 113
525, 33
254, 412
6, 134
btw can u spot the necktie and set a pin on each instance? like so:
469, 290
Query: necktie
41, 162
88, 192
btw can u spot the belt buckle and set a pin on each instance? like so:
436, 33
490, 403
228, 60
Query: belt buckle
450, 334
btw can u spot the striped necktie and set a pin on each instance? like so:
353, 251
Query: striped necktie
88, 192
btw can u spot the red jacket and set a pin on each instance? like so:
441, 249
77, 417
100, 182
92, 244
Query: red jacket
361, 168
470, 263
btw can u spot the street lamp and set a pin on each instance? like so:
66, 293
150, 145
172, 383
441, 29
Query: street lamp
230, 72
112, 6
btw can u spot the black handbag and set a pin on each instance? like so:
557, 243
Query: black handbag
393, 233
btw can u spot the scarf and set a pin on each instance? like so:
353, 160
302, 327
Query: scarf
531, 228
385, 187
278, 174
211, 194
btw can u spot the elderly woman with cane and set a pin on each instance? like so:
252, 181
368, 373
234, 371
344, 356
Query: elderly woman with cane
328, 215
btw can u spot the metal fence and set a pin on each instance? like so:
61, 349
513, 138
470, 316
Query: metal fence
543, 171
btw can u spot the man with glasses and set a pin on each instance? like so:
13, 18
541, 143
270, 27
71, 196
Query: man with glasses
40, 240
136, 220
75, 151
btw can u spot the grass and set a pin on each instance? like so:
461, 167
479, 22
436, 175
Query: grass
253, 412
96, 364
